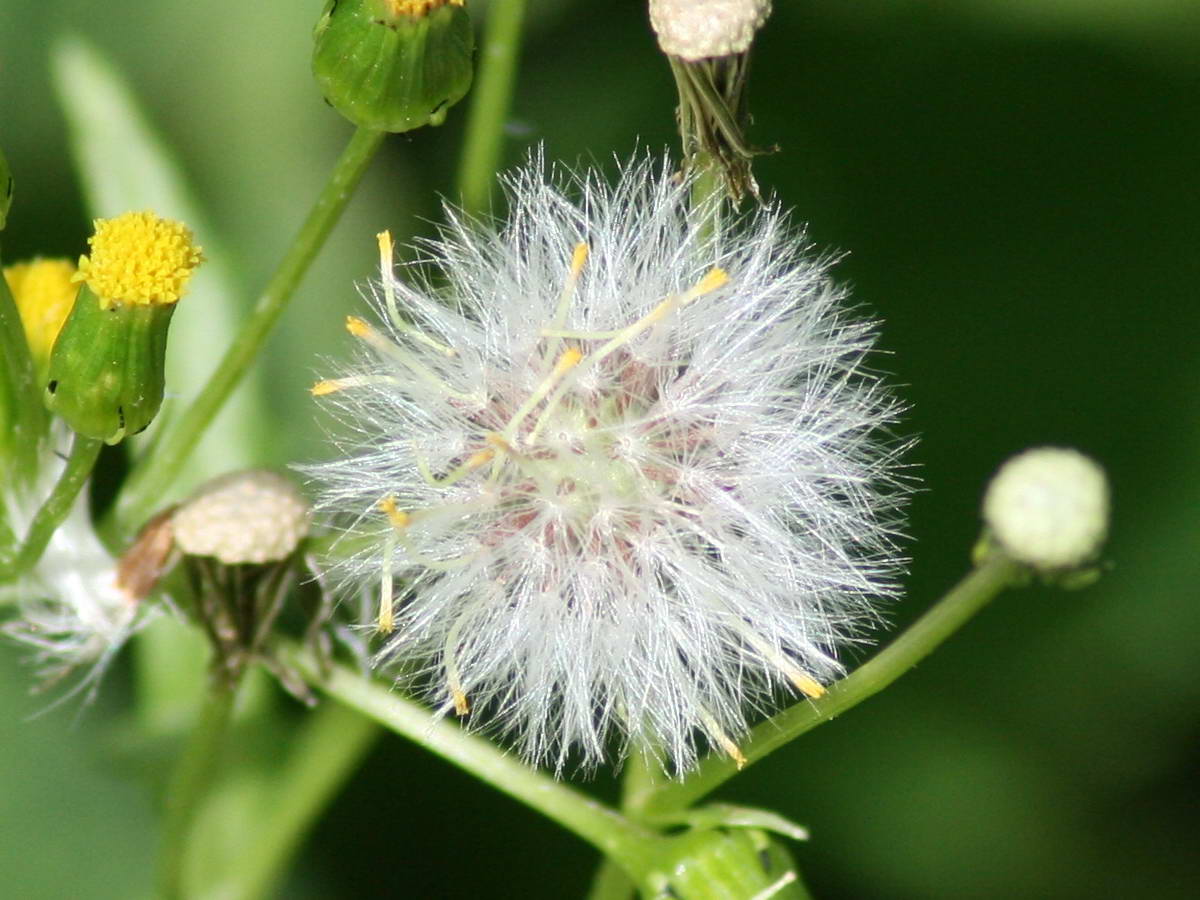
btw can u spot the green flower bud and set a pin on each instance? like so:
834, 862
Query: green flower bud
22, 418
393, 65
106, 369
724, 862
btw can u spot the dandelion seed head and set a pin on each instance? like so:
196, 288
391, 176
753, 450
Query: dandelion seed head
638, 461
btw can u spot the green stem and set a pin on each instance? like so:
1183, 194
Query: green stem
323, 755
490, 103
56, 507
149, 480
610, 881
629, 844
190, 783
948, 615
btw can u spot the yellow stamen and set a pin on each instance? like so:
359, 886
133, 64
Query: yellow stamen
44, 292
333, 385
569, 359
139, 258
461, 706
716, 278
384, 239
359, 327
385, 623
418, 9
398, 517
724, 741
578, 258
807, 685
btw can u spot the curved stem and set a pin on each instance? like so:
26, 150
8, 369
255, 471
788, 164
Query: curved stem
56, 507
189, 784
917, 641
490, 103
629, 844
150, 478
325, 752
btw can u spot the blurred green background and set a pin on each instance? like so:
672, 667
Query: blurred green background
1015, 183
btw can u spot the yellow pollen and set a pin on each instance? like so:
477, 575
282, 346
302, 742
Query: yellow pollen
570, 359
326, 386
138, 258
44, 293
461, 706
480, 457
716, 277
357, 327
498, 441
578, 258
386, 246
398, 517
807, 685
420, 8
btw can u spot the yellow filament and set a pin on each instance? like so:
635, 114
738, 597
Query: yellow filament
386, 621
569, 359
724, 741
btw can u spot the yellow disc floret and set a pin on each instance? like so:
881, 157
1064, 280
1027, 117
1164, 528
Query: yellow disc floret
44, 290
139, 259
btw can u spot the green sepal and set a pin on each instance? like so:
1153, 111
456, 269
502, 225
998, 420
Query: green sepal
22, 418
390, 71
6, 189
722, 864
106, 369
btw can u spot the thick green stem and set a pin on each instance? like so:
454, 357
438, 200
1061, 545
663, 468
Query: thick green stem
630, 845
490, 103
948, 615
55, 509
322, 756
151, 477
190, 784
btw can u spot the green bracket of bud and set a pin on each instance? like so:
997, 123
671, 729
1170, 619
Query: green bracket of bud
106, 370
22, 418
6, 190
715, 863
393, 65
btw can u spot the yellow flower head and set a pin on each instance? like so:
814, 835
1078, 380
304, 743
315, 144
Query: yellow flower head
138, 258
45, 291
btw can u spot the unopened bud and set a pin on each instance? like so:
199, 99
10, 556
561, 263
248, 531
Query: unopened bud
106, 369
1048, 508
393, 65
44, 290
249, 516
702, 29
724, 862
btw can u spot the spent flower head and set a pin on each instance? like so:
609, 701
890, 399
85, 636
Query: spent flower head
615, 468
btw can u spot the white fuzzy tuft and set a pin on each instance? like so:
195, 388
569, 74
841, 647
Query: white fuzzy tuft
71, 611
1048, 508
623, 497
247, 516
702, 29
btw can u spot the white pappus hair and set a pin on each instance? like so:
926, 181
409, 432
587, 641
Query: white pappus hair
618, 470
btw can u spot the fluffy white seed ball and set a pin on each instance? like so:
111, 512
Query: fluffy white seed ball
699, 29
1048, 508
249, 516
